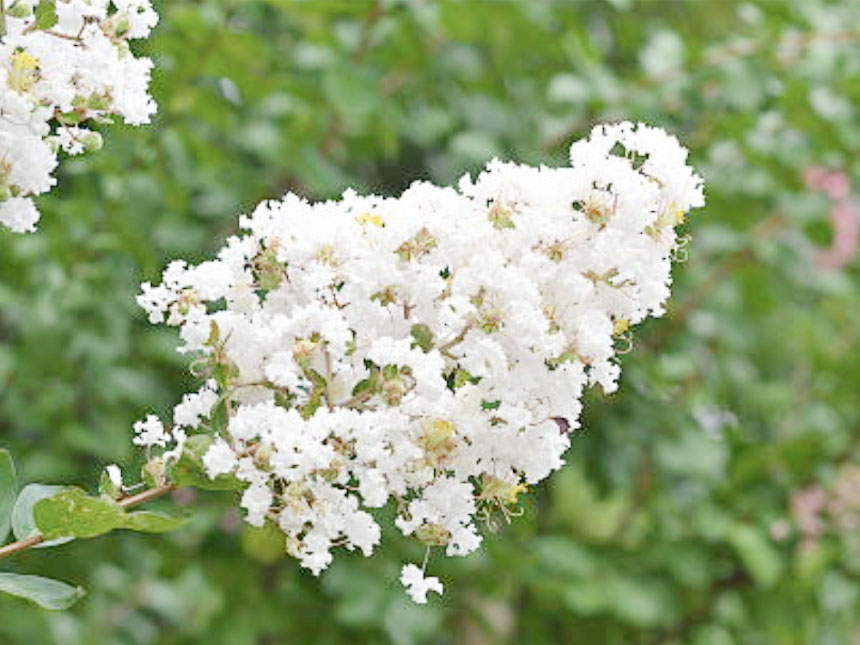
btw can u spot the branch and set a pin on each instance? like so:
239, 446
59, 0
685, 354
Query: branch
127, 502
459, 338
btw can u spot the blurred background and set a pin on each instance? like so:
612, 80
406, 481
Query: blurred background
714, 500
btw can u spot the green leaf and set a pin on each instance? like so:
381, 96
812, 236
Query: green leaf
107, 486
759, 556
188, 470
461, 377
363, 386
47, 593
73, 513
76, 514
423, 337
563, 557
23, 524
153, 521
266, 544
8, 492
46, 14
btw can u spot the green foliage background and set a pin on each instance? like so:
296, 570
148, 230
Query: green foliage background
683, 515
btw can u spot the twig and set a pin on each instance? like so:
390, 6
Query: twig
443, 349
127, 502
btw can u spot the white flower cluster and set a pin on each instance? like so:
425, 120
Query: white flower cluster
63, 63
430, 349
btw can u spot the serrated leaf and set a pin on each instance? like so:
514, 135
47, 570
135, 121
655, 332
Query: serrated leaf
23, 524
46, 14
188, 470
76, 514
45, 592
8, 492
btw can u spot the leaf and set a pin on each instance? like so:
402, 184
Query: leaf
461, 377
266, 544
76, 514
562, 556
73, 513
23, 524
8, 492
188, 470
640, 601
46, 14
47, 593
759, 556
108, 487
423, 337
153, 522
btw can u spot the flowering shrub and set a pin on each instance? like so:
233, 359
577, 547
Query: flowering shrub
430, 349
63, 66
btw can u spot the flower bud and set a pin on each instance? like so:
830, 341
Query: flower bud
92, 141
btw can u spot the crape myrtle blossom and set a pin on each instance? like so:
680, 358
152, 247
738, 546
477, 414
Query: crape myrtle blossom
428, 351
64, 64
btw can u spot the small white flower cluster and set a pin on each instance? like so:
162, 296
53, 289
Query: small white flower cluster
62, 65
430, 349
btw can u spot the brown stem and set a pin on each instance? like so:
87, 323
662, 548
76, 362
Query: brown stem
357, 399
457, 339
21, 545
127, 502
146, 496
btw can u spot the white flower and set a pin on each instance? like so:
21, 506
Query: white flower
417, 586
115, 475
19, 214
219, 459
54, 82
150, 432
195, 406
432, 348
256, 499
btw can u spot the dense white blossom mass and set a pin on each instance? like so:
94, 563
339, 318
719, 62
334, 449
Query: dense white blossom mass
429, 350
63, 65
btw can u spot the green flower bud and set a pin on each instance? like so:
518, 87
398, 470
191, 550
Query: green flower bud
92, 141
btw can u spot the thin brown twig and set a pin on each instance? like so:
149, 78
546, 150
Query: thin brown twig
459, 338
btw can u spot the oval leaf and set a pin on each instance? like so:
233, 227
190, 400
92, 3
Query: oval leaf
760, 557
23, 524
73, 513
76, 514
152, 522
8, 492
47, 593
